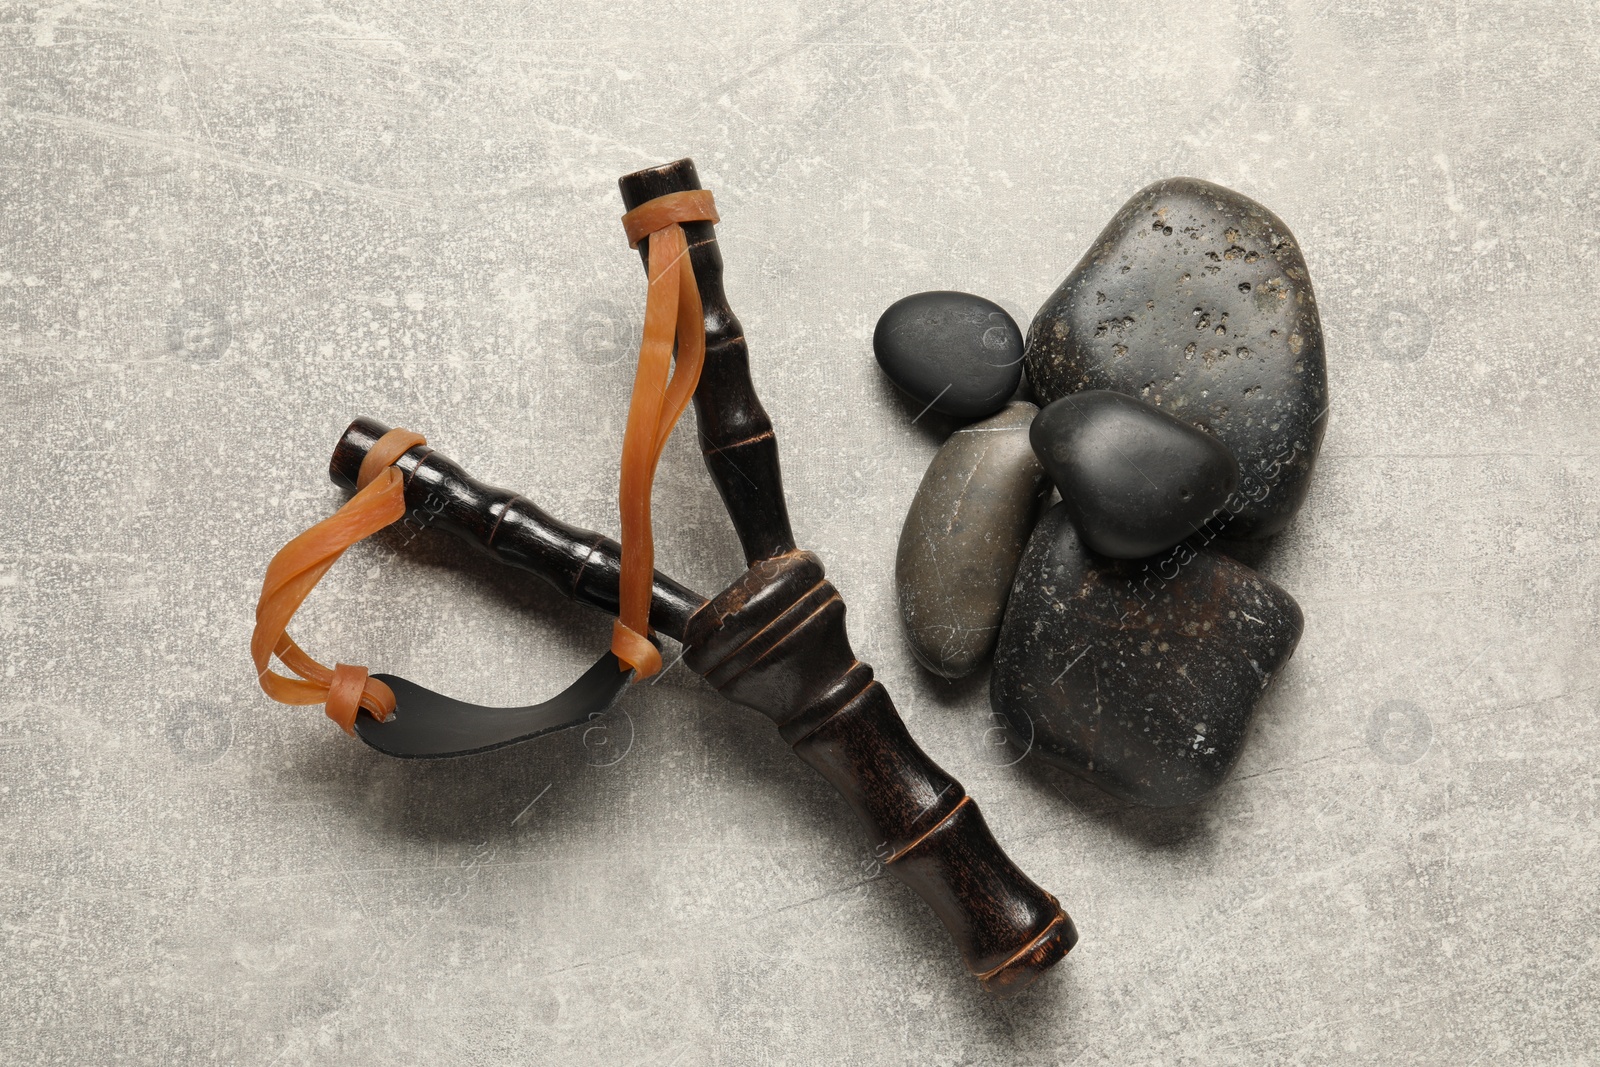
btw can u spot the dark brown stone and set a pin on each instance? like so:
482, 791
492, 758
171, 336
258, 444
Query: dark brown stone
1140, 676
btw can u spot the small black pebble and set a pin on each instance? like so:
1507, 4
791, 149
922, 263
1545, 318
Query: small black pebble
954, 352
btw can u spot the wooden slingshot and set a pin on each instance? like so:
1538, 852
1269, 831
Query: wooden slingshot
774, 641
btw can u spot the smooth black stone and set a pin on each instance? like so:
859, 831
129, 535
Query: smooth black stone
1141, 677
954, 352
1197, 299
1135, 480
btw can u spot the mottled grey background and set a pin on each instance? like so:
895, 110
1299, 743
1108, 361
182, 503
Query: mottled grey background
229, 227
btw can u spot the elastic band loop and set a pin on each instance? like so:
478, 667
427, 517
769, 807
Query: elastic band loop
384, 451
300, 565
691, 205
634, 650
344, 695
673, 315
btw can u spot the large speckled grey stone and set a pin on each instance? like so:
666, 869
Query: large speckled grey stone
1141, 676
1197, 300
963, 535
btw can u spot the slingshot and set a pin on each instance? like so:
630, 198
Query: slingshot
774, 640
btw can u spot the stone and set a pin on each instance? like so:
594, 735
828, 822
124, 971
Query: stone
963, 535
1197, 300
1135, 480
954, 352
1141, 677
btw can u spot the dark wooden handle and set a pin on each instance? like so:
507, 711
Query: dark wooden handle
735, 433
580, 563
775, 641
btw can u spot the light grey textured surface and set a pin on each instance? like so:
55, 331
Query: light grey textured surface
229, 227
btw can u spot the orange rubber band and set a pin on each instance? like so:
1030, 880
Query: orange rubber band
384, 451
300, 565
345, 691
672, 312
690, 205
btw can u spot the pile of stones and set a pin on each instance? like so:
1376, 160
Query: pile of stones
1181, 399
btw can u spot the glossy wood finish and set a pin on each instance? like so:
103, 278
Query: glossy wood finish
580, 563
775, 641
736, 435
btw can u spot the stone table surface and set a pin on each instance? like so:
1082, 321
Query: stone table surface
230, 227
